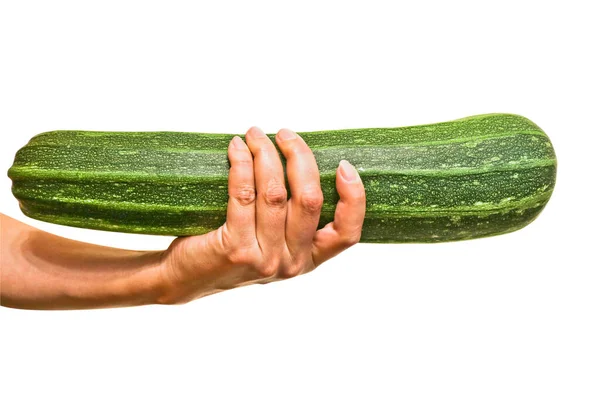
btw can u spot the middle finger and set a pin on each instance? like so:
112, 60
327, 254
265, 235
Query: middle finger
271, 194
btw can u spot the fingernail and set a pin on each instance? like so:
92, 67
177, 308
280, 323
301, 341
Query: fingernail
349, 173
255, 132
238, 143
287, 134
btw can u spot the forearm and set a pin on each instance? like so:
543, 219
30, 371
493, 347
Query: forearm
43, 271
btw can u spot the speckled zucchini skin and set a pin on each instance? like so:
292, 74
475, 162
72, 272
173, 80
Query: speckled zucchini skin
473, 177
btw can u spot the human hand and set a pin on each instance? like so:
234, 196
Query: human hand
266, 237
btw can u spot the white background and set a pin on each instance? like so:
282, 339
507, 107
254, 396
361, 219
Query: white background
511, 316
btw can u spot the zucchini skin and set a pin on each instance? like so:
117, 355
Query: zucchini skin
474, 177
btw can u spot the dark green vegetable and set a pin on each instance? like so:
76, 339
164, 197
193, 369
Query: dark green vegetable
473, 177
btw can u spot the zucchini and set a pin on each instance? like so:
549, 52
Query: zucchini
473, 177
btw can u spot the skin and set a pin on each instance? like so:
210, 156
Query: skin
265, 238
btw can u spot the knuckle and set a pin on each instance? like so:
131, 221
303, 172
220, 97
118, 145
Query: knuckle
292, 270
312, 200
301, 149
236, 250
276, 195
267, 269
264, 148
351, 239
241, 256
245, 194
243, 160
357, 196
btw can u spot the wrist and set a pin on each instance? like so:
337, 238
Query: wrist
143, 287
189, 269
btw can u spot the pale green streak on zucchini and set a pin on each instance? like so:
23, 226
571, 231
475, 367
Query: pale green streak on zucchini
474, 177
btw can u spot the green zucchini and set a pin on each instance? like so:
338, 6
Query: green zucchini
473, 177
